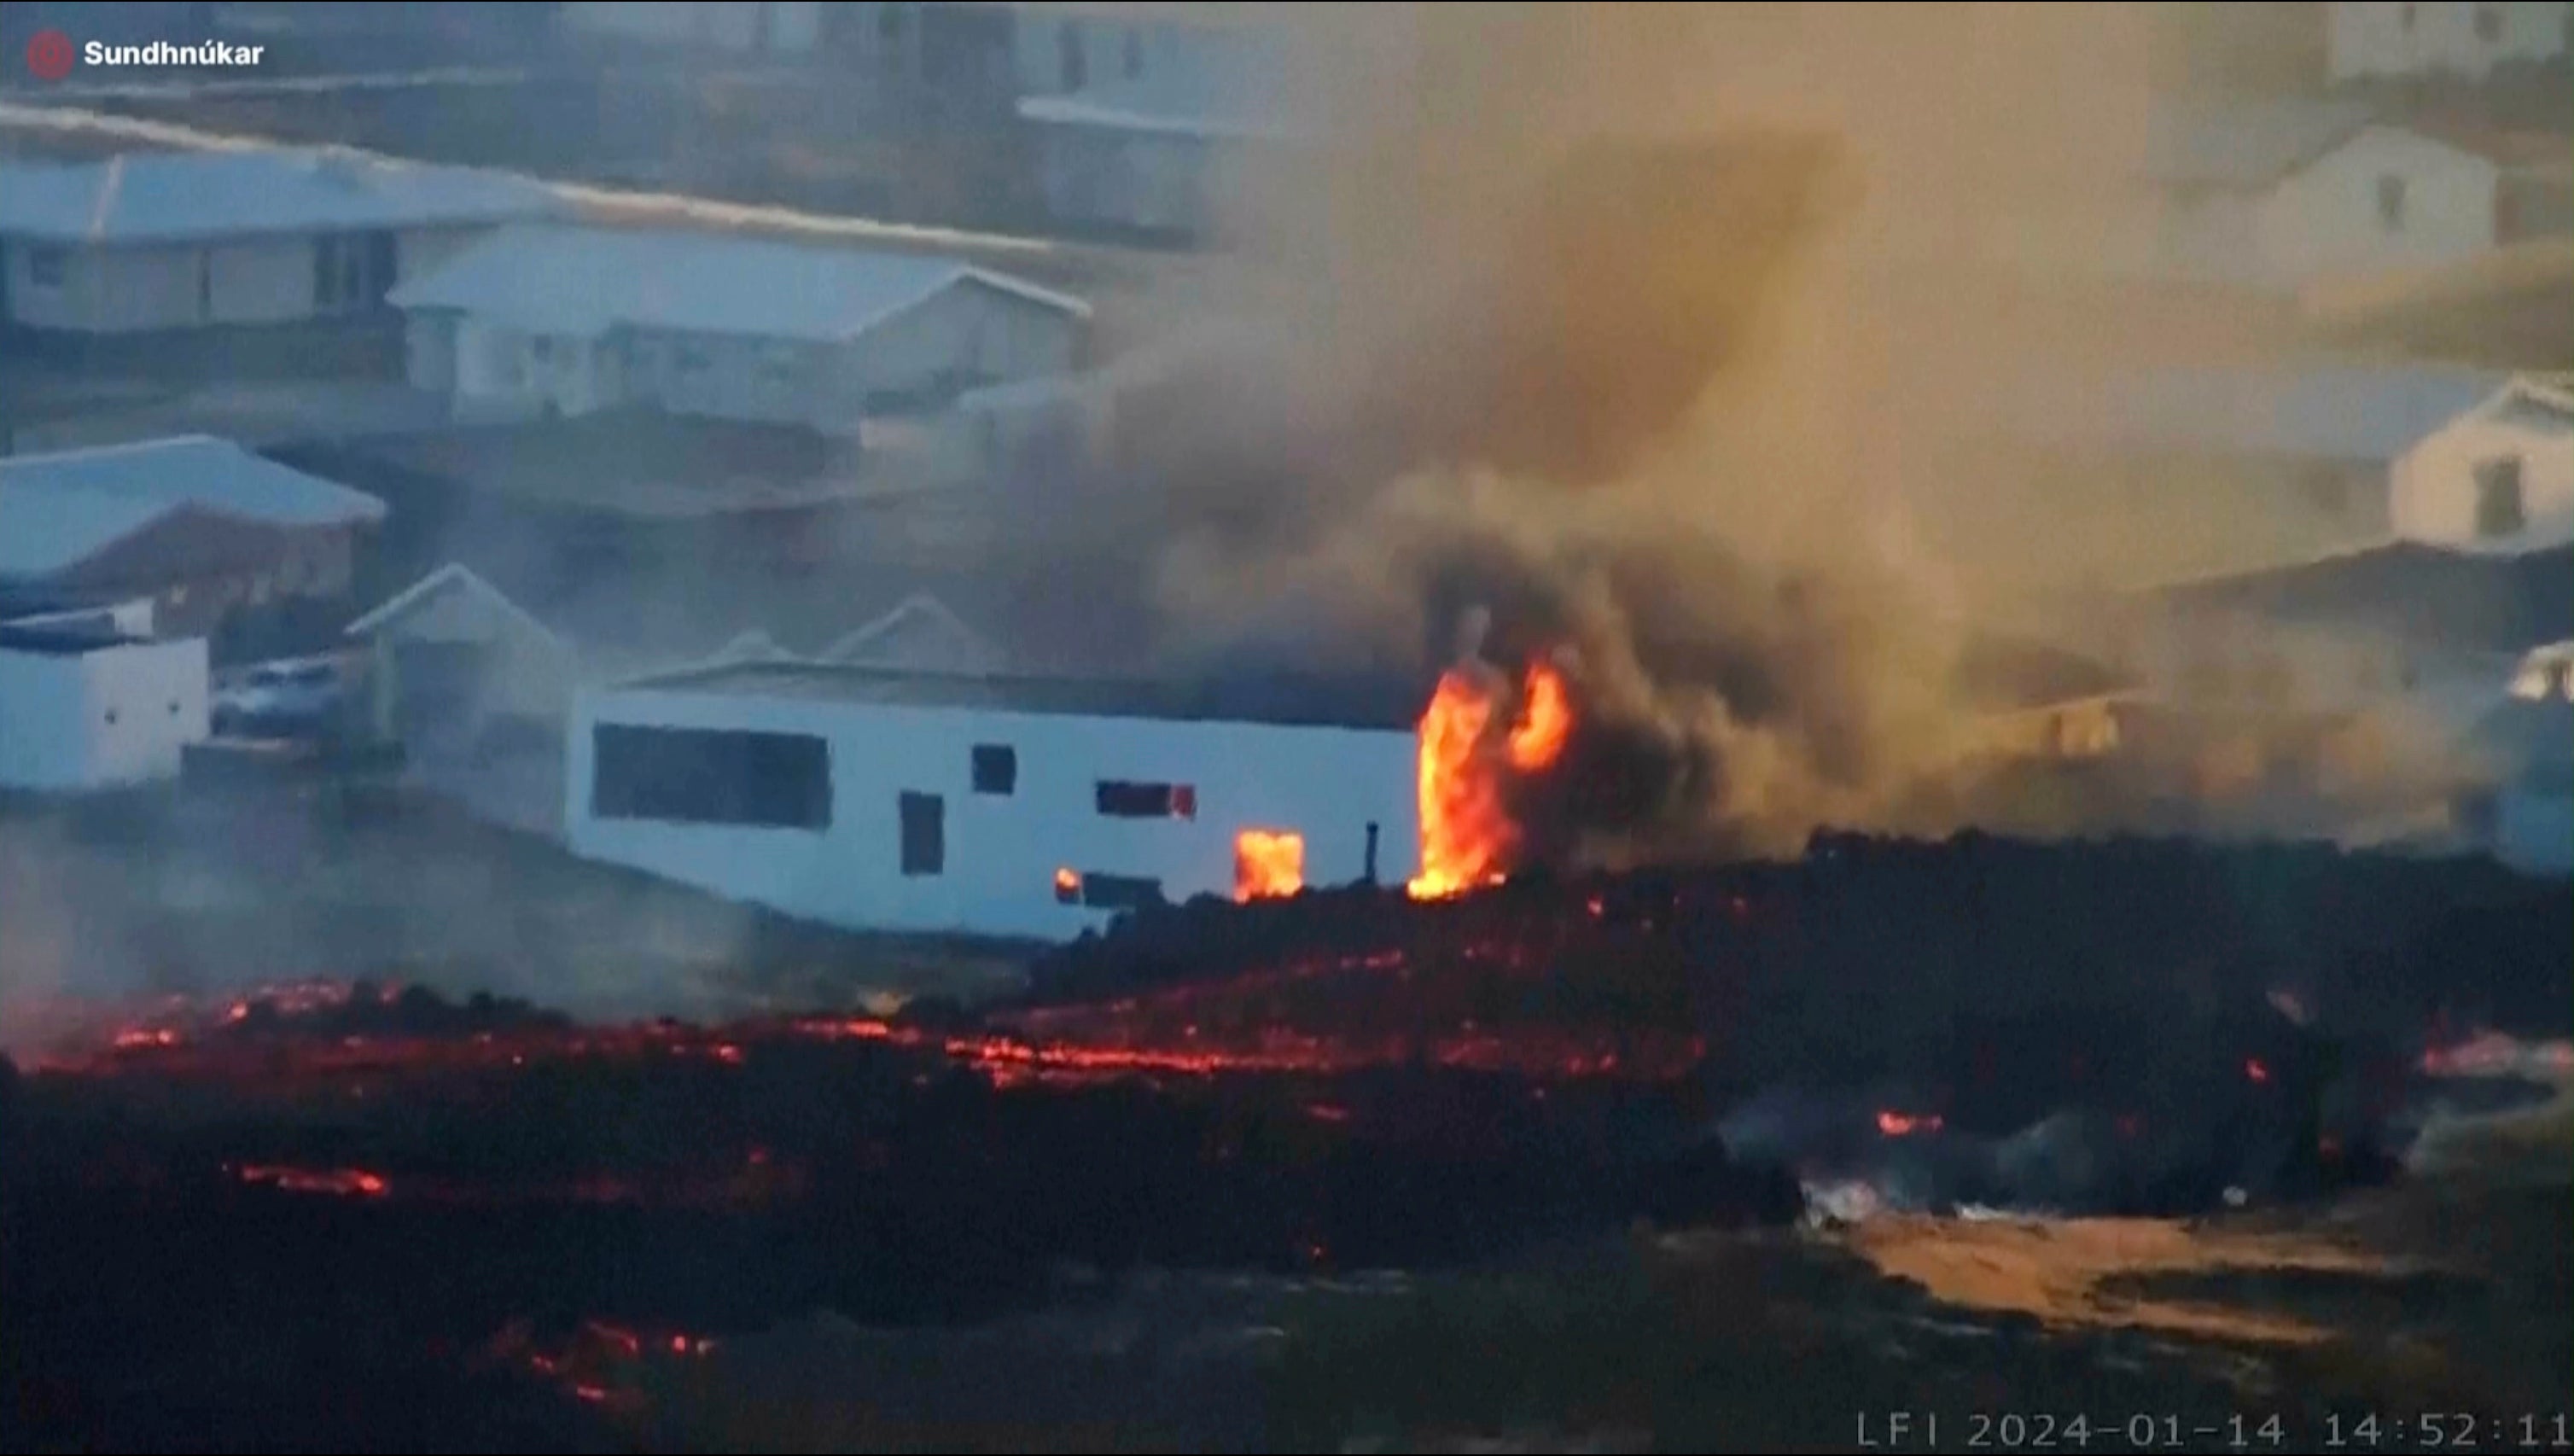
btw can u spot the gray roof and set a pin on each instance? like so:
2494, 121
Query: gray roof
1240, 92
583, 281
60, 509
1388, 703
2199, 141
157, 197
2326, 412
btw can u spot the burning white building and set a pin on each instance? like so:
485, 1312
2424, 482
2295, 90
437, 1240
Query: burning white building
987, 805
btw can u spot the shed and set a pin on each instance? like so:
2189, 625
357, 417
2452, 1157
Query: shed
573, 321
991, 805
2498, 478
152, 241
85, 706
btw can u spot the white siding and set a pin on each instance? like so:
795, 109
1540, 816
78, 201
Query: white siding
2435, 491
2376, 38
428, 352
107, 291
526, 673
967, 335
1002, 852
116, 715
260, 281
2328, 218
1104, 177
417, 251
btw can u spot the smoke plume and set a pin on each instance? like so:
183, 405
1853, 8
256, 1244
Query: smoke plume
1585, 314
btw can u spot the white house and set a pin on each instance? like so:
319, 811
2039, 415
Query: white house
200, 526
2455, 37
82, 708
573, 321
2391, 198
2498, 478
740, 27
1163, 150
181, 240
1014, 806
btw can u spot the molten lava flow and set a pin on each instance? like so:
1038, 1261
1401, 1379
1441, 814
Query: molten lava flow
1905, 1124
1546, 721
1267, 863
1467, 835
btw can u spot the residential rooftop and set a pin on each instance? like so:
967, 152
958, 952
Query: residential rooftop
1384, 704
176, 197
575, 282
63, 508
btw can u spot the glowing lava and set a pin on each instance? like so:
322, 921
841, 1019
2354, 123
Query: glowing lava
1467, 834
1267, 863
1905, 1124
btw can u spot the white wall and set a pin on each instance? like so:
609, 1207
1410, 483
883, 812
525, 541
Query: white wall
1002, 853
2434, 497
260, 281
1109, 178
2374, 38
116, 715
2325, 219
108, 290
531, 671
972, 332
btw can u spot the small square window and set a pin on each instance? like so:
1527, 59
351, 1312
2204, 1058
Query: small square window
996, 768
1184, 800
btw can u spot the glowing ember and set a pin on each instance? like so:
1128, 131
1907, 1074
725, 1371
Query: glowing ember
341, 1183
1905, 1124
2256, 1070
1467, 834
1267, 863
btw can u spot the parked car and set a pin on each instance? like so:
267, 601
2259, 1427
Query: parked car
284, 701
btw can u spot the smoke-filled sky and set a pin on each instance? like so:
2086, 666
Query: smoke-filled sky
1650, 328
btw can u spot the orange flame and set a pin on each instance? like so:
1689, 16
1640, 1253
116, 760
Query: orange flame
1467, 835
1267, 862
1546, 721
1905, 1124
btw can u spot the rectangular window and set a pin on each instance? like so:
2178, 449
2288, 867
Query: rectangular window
996, 768
2390, 203
2500, 509
326, 275
710, 776
925, 834
1123, 801
46, 266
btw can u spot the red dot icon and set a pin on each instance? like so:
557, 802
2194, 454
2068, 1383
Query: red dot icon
49, 55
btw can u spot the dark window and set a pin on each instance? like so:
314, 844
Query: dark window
1070, 61
925, 834
111, 715
2390, 204
2489, 23
710, 776
2499, 508
383, 263
1134, 57
1120, 800
206, 287
46, 266
1119, 891
996, 768
325, 274
1371, 852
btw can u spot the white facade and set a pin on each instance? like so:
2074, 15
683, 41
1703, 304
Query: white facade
110, 714
1001, 854
2497, 479
2375, 38
2385, 200
747, 27
140, 288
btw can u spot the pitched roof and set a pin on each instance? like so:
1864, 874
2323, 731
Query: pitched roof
2244, 145
2335, 412
920, 633
583, 281
61, 509
180, 544
450, 580
1236, 93
1388, 703
2454, 600
161, 197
